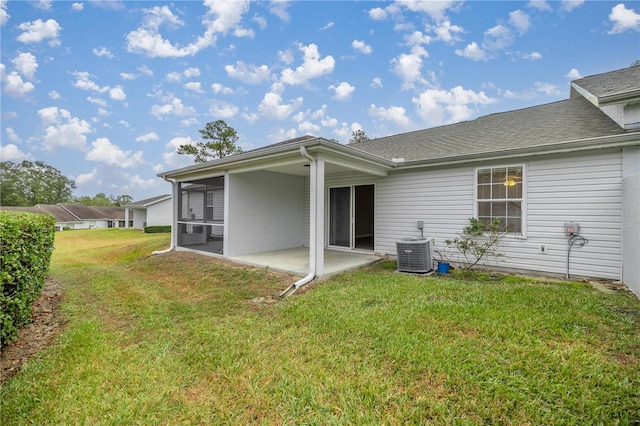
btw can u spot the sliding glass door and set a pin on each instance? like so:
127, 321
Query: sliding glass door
351, 217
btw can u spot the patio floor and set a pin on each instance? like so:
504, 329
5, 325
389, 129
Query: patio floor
296, 260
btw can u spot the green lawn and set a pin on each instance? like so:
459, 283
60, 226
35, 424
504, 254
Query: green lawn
187, 339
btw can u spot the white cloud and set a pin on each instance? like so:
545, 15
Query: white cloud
574, 74
623, 19
54, 95
4, 16
376, 83
286, 56
103, 52
219, 89
10, 152
394, 114
37, 31
194, 86
472, 51
63, 130
541, 5
84, 82
408, 66
174, 107
378, 14
12, 135
172, 158
447, 32
14, 85
547, 88
342, 91
86, 178
273, 107
569, 5
43, 5
362, 47
77, 7
435, 9
221, 18
128, 76
26, 64
261, 21
97, 101
248, 73
117, 94
279, 8
312, 67
438, 107
326, 27
498, 37
105, 152
520, 20
148, 137
534, 56
223, 110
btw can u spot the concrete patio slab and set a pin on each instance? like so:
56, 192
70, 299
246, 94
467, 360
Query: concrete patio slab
296, 261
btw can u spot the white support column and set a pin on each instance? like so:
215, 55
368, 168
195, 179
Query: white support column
319, 214
126, 217
225, 229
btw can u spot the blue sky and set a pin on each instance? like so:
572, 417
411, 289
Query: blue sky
106, 91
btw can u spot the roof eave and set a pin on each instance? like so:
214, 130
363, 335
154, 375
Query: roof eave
602, 142
276, 152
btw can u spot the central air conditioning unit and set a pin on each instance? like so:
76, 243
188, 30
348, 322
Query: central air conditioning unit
415, 254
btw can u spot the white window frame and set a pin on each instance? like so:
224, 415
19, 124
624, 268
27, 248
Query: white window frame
523, 201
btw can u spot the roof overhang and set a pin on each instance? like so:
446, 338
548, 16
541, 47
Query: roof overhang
625, 98
287, 158
603, 142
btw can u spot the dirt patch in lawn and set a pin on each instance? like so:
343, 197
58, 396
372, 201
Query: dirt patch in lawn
46, 324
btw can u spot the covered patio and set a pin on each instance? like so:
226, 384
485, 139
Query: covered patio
296, 260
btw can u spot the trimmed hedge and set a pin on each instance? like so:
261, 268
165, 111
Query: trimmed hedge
26, 244
157, 229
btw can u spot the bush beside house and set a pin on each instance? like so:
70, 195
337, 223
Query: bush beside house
26, 244
157, 229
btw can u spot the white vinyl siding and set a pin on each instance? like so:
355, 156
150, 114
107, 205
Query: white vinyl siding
584, 188
443, 199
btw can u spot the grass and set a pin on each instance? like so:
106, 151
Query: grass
186, 339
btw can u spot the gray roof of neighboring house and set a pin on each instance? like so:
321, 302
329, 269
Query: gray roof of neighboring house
60, 214
149, 201
612, 86
554, 123
95, 212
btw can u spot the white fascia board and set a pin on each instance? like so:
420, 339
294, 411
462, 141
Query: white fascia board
282, 154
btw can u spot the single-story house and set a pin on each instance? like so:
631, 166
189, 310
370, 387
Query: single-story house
78, 216
535, 169
155, 211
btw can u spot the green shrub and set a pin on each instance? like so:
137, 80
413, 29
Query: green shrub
26, 244
157, 229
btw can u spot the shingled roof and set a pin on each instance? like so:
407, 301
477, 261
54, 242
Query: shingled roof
554, 123
612, 86
149, 201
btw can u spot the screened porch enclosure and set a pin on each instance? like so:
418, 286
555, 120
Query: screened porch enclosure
201, 215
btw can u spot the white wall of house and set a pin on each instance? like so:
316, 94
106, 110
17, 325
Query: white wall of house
159, 214
630, 215
264, 212
139, 217
580, 187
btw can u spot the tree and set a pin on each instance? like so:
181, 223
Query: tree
30, 183
358, 136
219, 140
102, 200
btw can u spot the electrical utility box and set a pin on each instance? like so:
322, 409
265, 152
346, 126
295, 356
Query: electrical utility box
571, 228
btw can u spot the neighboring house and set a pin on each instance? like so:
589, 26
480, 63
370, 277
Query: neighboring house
78, 216
156, 211
535, 169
